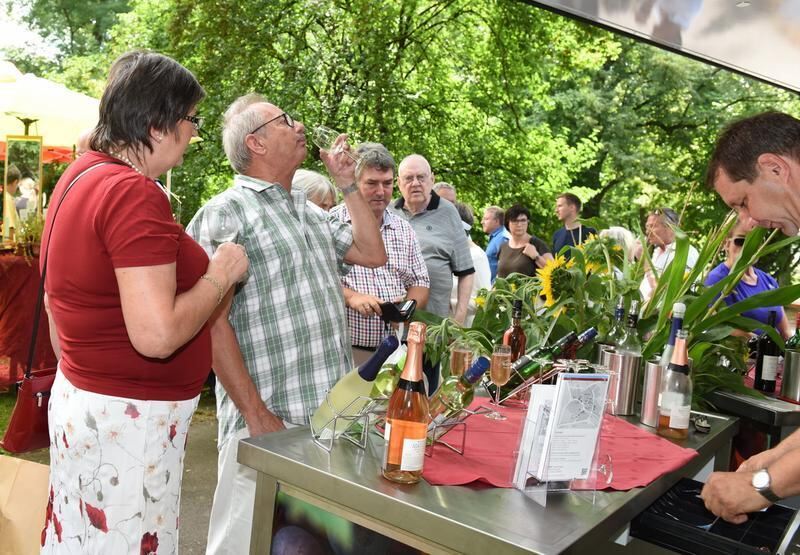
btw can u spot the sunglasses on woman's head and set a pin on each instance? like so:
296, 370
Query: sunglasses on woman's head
738, 241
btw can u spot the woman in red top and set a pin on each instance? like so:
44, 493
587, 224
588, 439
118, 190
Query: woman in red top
129, 294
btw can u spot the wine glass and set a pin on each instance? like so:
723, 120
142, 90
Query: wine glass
222, 228
460, 358
500, 373
325, 139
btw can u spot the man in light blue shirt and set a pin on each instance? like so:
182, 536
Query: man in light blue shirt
492, 223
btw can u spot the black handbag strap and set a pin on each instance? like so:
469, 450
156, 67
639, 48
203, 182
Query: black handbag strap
40, 297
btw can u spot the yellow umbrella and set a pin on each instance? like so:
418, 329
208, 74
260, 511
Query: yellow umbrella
31, 105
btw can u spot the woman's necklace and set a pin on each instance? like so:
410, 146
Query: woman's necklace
127, 161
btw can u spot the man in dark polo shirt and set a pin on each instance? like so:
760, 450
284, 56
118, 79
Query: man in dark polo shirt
440, 234
572, 233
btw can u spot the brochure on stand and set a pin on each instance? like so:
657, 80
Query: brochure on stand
561, 429
533, 433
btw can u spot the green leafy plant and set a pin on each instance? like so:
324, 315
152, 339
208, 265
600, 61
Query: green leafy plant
719, 357
573, 295
564, 296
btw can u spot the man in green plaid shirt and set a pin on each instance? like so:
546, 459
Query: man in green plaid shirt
282, 337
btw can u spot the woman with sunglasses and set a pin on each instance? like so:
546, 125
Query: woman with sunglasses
753, 281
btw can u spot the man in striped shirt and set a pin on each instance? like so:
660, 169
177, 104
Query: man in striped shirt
404, 276
282, 338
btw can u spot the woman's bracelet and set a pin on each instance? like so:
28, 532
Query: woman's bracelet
213, 281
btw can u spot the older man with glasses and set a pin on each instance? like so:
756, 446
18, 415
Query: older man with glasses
440, 234
282, 338
660, 230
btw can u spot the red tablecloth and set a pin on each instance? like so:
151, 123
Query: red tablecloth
638, 457
19, 285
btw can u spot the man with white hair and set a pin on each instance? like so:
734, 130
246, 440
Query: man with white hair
282, 338
440, 234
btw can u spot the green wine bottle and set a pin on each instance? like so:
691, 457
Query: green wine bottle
793, 343
388, 376
456, 392
532, 363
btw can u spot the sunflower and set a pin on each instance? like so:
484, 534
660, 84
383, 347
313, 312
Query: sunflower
549, 276
593, 267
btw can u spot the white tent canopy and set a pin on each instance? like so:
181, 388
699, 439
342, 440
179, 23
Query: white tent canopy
53, 111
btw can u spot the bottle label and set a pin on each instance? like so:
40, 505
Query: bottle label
405, 444
769, 368
679, 417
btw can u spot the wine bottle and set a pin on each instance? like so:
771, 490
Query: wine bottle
351, 393
389, 375
767, 359
514, 336
630, 343
793, 343
617, 329
407, 417
456, 392
529, 365
676, 393
678, 312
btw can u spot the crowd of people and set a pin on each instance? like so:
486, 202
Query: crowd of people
141, 310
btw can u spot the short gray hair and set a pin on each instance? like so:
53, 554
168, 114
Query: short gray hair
313, 184
497, 213
376, 156
443, 185
239, 120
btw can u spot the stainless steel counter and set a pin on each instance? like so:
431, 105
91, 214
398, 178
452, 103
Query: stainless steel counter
450, 519
773, 414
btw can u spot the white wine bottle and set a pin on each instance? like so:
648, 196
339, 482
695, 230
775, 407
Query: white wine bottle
389, 374
407, 417
351, 393
457, 392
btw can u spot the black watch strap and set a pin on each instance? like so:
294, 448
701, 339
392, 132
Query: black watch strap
769, 495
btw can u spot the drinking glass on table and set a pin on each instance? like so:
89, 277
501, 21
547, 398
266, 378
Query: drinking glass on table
325, 139
499, 373
460, 358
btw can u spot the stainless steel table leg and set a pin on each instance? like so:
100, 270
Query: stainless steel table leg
263, 514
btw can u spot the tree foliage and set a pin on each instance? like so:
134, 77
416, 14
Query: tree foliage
508, 102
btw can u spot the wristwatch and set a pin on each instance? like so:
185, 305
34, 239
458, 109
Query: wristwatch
762, 482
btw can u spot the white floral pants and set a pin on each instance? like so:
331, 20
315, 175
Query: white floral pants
115, 472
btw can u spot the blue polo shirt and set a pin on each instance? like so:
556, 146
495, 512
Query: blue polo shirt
496, 240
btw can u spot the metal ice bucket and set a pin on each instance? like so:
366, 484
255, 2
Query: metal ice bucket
651, 391
790, 386
624, 371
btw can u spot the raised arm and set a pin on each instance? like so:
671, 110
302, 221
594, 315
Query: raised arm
367, 249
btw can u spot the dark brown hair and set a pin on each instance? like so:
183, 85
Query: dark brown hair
145, 90
515, 212
742, 142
